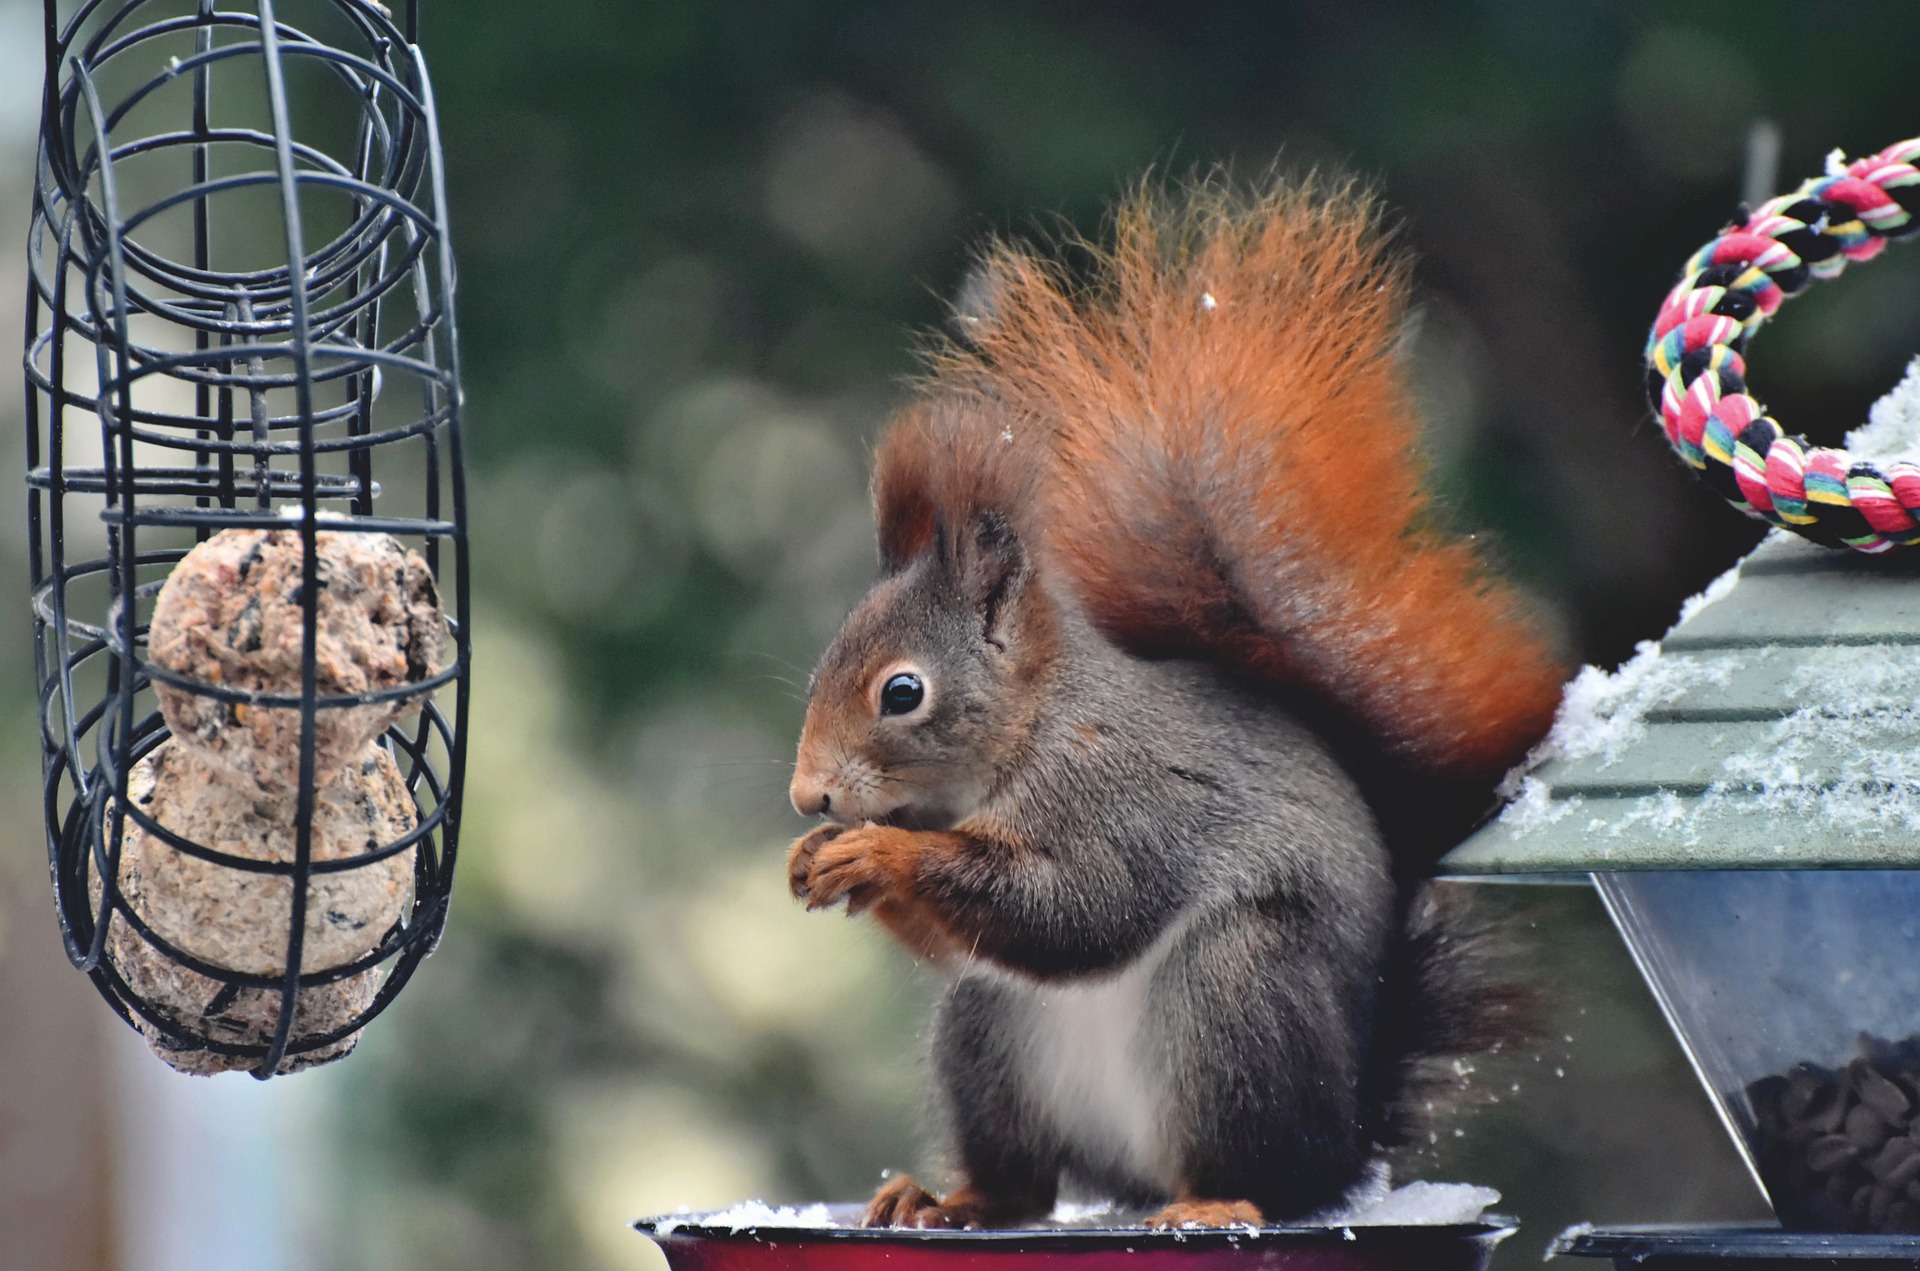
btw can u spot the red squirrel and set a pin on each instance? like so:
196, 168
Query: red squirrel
1168, 688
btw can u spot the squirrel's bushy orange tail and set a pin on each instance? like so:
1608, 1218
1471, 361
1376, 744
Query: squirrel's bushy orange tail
1234, 468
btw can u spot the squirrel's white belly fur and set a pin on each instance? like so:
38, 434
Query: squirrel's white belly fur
1091, 1058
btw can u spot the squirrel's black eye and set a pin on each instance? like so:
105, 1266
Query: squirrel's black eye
902, 694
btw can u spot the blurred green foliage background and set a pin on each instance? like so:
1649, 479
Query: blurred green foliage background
695, 242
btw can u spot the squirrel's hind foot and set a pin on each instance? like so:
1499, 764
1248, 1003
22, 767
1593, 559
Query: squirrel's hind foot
1206, 1213
901, 1202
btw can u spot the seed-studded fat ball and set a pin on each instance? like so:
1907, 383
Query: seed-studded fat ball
240, 920
229, 616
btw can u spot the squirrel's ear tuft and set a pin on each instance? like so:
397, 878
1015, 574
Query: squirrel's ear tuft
941, 465
991, 567
905, 498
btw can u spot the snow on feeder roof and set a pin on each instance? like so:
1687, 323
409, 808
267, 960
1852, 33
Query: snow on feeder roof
1776, 726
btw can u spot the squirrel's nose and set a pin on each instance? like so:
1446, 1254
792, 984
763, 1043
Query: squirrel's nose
809, 795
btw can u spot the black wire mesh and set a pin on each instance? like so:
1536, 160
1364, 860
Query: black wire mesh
232, 323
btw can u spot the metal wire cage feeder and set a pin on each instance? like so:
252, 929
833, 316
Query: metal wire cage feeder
231, 324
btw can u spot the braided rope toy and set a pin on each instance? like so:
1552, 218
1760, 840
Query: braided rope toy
1696, 365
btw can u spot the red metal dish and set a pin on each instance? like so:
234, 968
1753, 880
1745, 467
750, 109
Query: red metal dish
1453, 1248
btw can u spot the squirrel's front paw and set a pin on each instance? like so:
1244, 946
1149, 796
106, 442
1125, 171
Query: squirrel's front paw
801, 855
853, 864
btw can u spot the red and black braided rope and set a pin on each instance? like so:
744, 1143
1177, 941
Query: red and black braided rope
1696, 363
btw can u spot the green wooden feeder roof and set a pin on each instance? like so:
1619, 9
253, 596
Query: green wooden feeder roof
1776, 726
